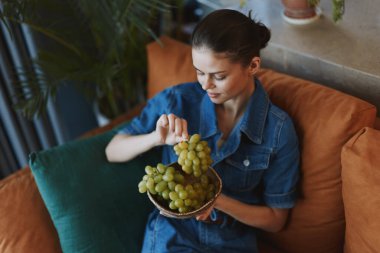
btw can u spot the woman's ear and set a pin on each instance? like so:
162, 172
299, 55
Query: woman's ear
254, 65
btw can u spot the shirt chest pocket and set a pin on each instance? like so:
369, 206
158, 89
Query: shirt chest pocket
243, 172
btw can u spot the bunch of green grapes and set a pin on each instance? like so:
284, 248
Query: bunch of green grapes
182, 193
194, 155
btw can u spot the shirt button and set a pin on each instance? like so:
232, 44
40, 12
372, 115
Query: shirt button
246, 162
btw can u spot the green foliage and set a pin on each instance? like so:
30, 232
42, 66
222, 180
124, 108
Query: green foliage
314, 2
97, 45
338, 8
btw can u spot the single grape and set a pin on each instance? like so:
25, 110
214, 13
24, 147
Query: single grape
158, 178
178, 188
192, 146
152, 191
178, 202
165, 194
178, 177
177, 148
172, 205
183, 154
191, 155
170, 170
149, 170
201, 154
181, 161
161, 186
199, 147
204, 168
150, 183
142, 183
161, 168
168, 177
188, 187
183, 194
197, 173
171, 185
142, 189
183, 145
188, 202
188, 170
188, 162
195, 138
173, 195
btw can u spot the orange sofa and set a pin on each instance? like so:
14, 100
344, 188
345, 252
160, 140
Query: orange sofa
340, 168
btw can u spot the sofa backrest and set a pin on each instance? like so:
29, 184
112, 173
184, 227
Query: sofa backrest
324, 118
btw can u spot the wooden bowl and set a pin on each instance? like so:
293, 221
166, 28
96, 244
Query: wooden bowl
166, 211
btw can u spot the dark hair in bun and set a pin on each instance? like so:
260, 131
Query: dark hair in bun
231, 32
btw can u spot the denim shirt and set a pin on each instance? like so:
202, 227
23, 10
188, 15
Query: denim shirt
258, 163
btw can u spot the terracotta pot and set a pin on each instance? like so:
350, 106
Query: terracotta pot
298, 9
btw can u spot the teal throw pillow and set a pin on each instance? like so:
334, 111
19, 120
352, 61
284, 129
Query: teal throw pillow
95, 205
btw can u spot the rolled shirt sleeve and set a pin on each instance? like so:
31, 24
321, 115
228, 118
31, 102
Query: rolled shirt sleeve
280, 180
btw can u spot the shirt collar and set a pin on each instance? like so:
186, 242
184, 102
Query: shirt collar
209, 125
254, 118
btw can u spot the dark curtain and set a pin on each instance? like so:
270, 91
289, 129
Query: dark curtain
18, 135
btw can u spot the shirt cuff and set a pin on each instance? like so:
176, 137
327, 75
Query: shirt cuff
284, 200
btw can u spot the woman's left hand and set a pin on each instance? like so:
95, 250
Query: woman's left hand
205, 214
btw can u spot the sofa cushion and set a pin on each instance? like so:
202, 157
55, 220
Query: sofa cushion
95, 205
361, 188
177, 69
25, 224
325, 119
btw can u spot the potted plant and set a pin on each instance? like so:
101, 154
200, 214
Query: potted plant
98, 46
306, 11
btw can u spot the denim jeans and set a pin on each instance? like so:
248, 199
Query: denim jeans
189, 235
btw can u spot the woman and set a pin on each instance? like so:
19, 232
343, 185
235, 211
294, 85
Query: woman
254, 144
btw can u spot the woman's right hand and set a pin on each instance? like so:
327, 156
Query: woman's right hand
171, 129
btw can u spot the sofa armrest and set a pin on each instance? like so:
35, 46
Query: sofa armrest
25, 224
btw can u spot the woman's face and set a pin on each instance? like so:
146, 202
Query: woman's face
222, 79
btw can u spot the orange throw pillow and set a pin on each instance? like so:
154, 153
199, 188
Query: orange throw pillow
361, 191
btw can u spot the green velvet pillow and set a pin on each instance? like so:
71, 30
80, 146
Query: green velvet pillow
95, 205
